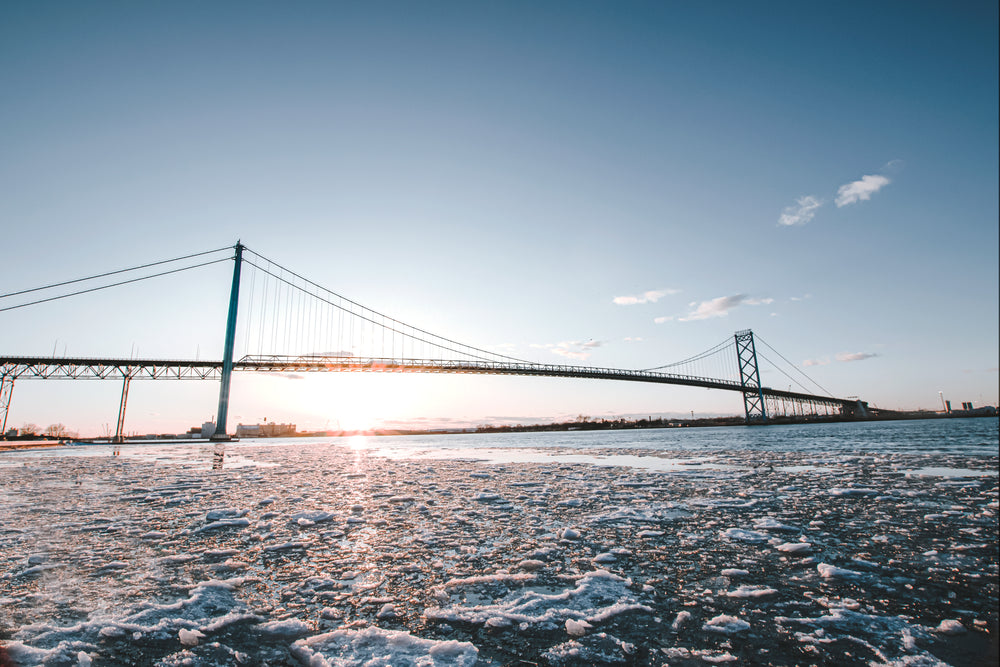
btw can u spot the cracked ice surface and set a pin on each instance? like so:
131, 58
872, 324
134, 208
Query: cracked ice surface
317, 553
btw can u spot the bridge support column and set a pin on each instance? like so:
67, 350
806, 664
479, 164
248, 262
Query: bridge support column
753, 397
227, 356
120, 429
6, 391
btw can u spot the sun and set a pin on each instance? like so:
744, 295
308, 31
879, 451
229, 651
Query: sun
354, 420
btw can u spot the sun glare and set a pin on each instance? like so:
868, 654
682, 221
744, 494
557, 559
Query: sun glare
355, 420
357, 442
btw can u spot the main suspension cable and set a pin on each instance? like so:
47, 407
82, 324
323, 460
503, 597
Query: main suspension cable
701, 355
778, 368
123, 282
376, 313
111, 273
444, 345
796, 368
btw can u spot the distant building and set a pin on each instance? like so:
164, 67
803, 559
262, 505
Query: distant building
969, 410
267, 430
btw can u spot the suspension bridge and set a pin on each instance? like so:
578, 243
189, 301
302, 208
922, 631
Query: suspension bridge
282, 322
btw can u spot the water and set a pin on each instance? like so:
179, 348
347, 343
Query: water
979, 437
974, 437
864, 543
636, 448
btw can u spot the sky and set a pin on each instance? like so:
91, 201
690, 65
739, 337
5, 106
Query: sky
616, 184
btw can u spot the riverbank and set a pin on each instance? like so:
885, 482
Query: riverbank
15, 445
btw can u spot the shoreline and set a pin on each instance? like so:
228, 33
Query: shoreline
602, 425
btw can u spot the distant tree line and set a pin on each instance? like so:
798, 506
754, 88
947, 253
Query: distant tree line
29, 431
585, 423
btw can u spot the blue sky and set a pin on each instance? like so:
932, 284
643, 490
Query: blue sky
507, 174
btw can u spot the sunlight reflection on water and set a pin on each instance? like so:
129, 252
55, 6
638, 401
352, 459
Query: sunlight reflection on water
524, 455
358, 442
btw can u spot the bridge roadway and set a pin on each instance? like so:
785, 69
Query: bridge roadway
154, 369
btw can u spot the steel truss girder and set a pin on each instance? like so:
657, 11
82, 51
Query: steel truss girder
107, 369
159, 369
306, 364
802, 407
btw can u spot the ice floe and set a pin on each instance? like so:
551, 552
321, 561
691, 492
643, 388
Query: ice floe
594, 597
375, 647
725, 624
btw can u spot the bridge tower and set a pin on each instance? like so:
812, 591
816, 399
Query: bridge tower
227, 355
753, 397
120, 428
6, 391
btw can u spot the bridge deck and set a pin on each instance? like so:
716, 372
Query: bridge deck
153, 369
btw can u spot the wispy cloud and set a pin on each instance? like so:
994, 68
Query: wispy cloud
860, 190
661, 320
842, 356
804, 210
893, 165
633, 339
650, 296
720, 306
805, 207
571, 349
855, 356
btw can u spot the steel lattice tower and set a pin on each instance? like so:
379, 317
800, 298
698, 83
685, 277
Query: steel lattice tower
753, 397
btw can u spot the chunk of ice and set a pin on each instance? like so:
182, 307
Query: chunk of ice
795, 548
375, 646
950, 626
725, 624
189, 637
828, 571
751, 592
745, 535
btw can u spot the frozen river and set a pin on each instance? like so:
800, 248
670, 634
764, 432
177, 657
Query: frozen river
825, 544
